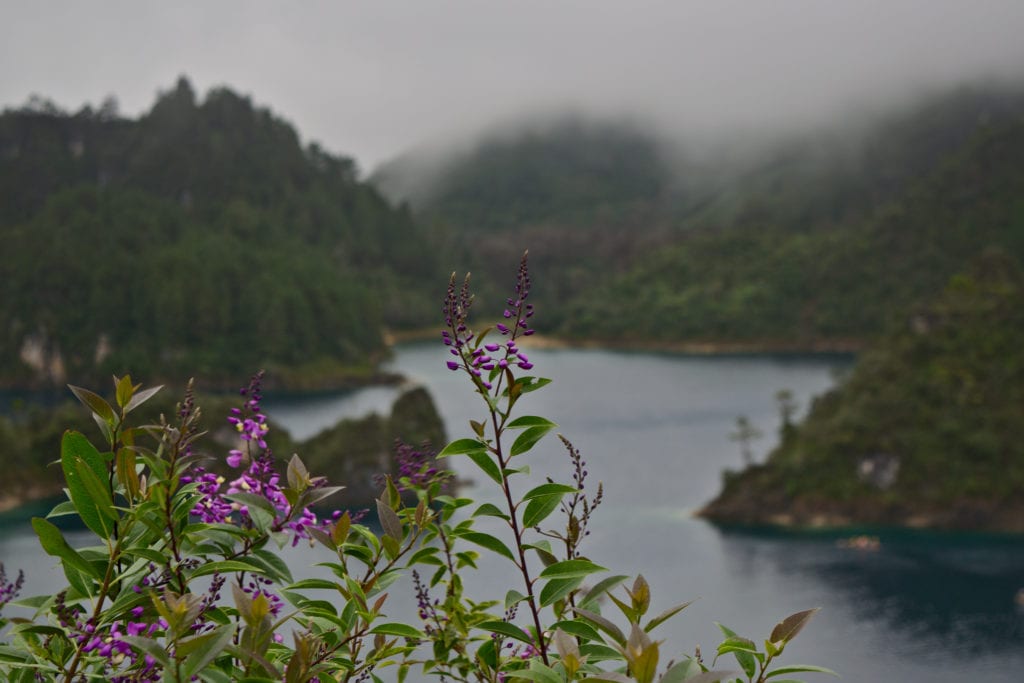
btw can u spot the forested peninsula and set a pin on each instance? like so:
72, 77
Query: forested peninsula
200, 240
925, 432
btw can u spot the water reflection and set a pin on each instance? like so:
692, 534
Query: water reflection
940, 592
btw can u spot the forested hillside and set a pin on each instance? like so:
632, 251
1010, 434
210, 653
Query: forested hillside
926, 430
817, 241
201, 239
769, 282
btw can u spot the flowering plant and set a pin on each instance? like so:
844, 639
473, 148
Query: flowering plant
185, 583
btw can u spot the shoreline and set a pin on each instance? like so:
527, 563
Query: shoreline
970, 516
695, 348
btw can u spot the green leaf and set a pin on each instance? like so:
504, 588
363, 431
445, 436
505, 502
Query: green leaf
94, 402
741, 648
53, 543
797, 668
567, 569
149, 646
461, 446
787, 629
200, 650
224, 567
530, 421
141, 397
602, 623
489, 510
666, 615
313, 584
602, 587
513, 597
556, 589
389, 521
548, 490
398, 629
489, 542
506, 629
525, 441
74, 448
680, 671
736, 644
532, 383
538, 509
607, 677
123, 391
274, 564
578, 628
98, 490
538, 673
486, 463
253, 500
62, 509
713, 677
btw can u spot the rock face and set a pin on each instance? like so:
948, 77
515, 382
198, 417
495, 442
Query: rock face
927, 430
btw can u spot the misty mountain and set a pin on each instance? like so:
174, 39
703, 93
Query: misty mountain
200, 239
814, 240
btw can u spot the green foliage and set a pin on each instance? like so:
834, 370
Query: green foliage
204, 240
137, 606
354, 450
925, 429
816, 242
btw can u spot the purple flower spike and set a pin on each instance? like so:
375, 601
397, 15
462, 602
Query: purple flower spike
492, 347
234, 458
453, 365
502, 328
525, 366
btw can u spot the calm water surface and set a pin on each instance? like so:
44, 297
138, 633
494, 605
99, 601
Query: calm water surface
654, 428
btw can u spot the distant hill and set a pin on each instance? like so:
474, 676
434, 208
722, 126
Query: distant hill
846, 280
926, 431
200, 239
813, 242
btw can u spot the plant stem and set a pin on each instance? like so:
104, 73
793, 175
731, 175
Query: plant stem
518, 534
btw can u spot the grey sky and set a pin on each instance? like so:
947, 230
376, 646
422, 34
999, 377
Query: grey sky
372, 78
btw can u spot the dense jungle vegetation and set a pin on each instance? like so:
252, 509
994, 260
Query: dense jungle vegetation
815, 242
926, 430
201, 239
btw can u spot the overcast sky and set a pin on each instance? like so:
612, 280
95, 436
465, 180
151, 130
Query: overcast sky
373, 78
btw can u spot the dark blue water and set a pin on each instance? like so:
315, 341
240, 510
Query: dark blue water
654, 428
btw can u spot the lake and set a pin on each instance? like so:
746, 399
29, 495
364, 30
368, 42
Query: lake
654, 428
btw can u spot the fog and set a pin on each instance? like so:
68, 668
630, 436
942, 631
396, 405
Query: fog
372, 79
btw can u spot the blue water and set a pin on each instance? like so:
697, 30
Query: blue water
654, 428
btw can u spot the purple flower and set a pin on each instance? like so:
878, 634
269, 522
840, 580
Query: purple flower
234, 458
9, 589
